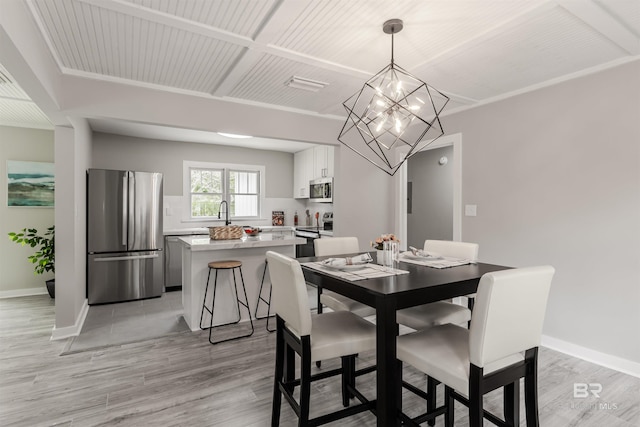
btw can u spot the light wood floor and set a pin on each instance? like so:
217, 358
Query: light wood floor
182, 380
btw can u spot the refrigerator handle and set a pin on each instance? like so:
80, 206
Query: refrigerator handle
131, 221
124, 210
125, 258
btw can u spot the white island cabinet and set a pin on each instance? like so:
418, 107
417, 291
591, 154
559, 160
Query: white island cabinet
199, 251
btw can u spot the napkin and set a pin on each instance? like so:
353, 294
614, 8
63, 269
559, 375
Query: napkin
423, 254
339, 262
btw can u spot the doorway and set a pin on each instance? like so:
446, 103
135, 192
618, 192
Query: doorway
455, 163
430, 196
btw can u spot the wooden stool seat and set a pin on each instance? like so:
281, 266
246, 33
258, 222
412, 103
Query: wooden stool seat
224, 265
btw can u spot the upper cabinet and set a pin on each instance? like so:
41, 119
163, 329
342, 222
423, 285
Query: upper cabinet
312, 163
322, 161
302, 173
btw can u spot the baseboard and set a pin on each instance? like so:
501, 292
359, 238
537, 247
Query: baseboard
72, 331
16, 293
607, 360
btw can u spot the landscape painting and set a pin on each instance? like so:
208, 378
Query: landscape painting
30, 184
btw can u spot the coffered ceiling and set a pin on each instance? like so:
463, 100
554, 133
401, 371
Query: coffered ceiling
246, 50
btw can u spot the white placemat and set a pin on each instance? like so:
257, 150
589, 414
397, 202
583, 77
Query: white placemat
442, 262
371, 271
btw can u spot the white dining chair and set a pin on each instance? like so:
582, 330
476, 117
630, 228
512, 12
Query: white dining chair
441, 312
499, 348
460, 250
318, 337
333, 246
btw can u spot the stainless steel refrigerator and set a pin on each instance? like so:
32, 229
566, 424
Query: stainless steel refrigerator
124, 235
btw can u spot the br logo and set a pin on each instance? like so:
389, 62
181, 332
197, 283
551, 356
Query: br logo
584, 390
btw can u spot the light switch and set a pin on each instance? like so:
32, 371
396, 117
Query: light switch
470, 210
167, 211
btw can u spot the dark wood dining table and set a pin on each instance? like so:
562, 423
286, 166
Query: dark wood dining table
387, 295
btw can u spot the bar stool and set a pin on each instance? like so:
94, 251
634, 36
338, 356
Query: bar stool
225, 265
266, 301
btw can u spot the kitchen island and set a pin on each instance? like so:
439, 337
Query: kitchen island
199, 251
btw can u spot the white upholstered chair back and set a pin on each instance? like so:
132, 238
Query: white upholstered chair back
452, 249
290, 299
335, 246
509, 312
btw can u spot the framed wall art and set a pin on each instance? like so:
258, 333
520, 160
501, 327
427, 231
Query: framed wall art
30, 184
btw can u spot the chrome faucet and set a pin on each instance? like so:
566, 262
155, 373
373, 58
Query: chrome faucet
226, 212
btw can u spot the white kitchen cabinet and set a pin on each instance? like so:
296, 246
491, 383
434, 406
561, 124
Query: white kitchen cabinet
302, 173
322, 161
312, 163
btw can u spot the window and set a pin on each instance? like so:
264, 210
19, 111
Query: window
211, 183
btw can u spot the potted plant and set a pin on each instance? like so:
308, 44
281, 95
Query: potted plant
44, 257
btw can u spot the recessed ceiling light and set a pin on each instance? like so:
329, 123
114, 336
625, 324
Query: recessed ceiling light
233, 135
305, 84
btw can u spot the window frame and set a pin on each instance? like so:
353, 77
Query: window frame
226, 169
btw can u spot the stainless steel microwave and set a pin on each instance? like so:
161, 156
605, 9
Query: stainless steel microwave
321, 190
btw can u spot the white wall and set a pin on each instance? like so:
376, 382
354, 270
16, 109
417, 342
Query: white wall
130, 153
17, 276
364, 199
73, 150
556, 177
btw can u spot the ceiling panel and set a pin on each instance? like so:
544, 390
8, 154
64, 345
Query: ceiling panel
243, 17
350, 32
102, 41
546, 45
626, 12
22, 114
265, 83
16, 108
8, 87
472, 50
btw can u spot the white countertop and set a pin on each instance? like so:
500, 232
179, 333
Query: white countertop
205, 230
198, 243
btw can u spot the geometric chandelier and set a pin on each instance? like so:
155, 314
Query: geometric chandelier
394, 116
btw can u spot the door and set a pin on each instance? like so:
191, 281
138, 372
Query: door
430, 196
144, 231
106, 210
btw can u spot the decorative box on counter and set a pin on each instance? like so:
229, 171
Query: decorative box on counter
277, 217
227, 232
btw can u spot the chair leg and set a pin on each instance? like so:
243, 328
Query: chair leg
235, 286
267, 301
348, 378
512, 403
345, 380
449, 402
319, 311
238, 303
305, 381
431, 397
531, 388
204, 302
289, 367
246, 299
279, 375
475, 396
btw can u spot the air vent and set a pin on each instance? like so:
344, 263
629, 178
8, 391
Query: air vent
305, 84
